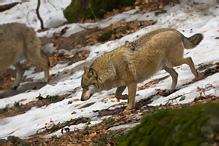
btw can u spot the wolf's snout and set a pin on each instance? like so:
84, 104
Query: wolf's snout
84, 98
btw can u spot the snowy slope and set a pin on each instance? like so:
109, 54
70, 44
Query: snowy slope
25, 12
188, 20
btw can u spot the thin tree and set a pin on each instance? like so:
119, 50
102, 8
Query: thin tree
38, 15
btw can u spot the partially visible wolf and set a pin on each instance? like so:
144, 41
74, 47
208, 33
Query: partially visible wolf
135, 62
17, 42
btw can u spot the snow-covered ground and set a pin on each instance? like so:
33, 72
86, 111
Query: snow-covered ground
188, 20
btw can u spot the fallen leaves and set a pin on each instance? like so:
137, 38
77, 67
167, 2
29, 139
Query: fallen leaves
23, 100
122, 103
7, 79
90, 36
74, 112
204, 89
151, 83
87, 105
60, 58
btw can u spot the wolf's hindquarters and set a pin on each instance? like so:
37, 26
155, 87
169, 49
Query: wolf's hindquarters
40, 59
18, 42
192, 41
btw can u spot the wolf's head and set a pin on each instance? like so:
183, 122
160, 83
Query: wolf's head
89, 83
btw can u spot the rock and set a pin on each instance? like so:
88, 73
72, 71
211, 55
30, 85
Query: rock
193, 125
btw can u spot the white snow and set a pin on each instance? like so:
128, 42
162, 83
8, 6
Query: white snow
25, 12
188, 20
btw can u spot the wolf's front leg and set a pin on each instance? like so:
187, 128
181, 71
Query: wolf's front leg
20, 72
119, 93
131, 97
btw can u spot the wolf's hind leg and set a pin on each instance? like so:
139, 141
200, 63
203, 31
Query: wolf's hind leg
40, 59
119, 91
20, 72
189, 62
174, 76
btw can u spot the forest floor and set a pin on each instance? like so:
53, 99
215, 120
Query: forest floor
115, 122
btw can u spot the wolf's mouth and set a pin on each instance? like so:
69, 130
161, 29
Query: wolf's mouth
90, 96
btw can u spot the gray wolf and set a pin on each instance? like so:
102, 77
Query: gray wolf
17, 42
137, 61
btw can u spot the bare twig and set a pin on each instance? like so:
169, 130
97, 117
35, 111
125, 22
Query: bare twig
86, 28
38, 15
52, 5
24, 14
94, 15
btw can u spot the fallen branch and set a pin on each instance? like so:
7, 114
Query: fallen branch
7, 6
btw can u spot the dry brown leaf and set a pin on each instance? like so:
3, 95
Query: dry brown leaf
23, 100
111, 97
7, 105
122, 103
77, 105
74, 112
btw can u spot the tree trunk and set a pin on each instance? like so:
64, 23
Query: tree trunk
38, 15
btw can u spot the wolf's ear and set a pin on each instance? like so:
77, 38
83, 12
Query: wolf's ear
127, 42
92, 72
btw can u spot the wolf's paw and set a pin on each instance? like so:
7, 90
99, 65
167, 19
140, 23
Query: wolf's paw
169, 91
45, 80
128, 109
166, 92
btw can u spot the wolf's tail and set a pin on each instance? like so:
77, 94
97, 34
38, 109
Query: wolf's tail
47, 58
192, 41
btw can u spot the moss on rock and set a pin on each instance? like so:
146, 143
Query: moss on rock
188, 126
79, 9
106, 35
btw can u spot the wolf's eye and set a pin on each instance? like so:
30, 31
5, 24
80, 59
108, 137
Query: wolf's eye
92, 84
85, 87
